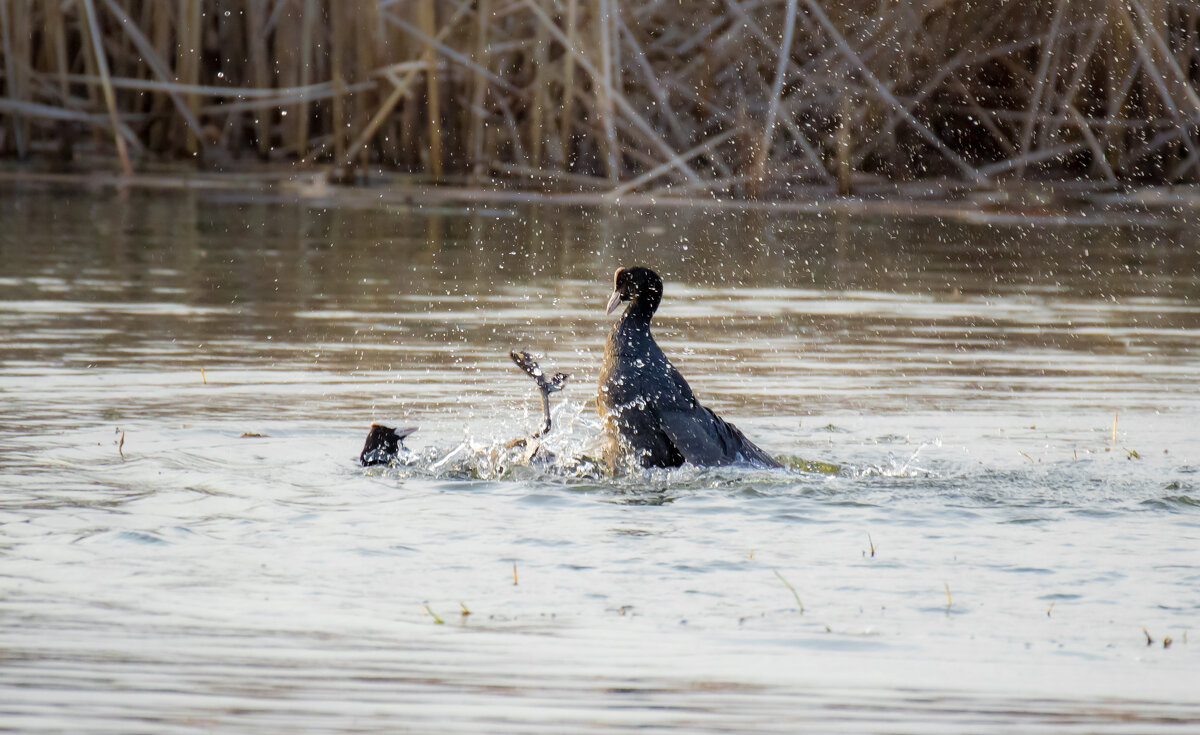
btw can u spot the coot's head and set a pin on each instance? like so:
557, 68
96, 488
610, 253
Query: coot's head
641, 286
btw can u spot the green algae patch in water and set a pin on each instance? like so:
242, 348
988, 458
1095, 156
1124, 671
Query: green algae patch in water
809, 465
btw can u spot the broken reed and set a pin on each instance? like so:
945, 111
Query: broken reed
738, 98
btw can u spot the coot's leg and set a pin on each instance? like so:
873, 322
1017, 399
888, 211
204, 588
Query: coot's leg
525, 361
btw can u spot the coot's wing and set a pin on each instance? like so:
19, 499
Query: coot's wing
695, 435
701, 436
705, 439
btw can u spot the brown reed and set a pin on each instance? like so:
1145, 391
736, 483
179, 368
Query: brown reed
729, 99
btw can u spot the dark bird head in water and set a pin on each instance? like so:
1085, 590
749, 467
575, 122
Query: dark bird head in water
383, 444
640, 286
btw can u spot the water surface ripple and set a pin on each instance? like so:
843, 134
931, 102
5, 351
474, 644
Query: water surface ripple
189, 546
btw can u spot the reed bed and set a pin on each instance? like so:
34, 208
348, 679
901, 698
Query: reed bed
751, 98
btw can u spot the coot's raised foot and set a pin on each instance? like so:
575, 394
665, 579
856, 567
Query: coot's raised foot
648, 410
525, 361
383, 444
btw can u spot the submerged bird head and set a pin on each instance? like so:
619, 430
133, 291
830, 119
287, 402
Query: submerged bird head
640, 286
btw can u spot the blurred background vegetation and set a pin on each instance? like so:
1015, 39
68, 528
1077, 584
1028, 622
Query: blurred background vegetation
740, 98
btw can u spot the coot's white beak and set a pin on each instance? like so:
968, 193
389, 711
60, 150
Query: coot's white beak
613, 302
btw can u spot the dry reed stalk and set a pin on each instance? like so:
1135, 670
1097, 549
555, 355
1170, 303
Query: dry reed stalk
985, 117
1072, 87
1159, 81
1119, 73
654, 173
568, 83
898, 23
12, 79
227, 129
409, 131
161, 40
1093, 143
1043, 72
428, 22
652, 136
308, 20
395, 144
428, 41
604, 91
811, 163
34, 110
1104, 89
1156, 34
844, 141
617, 52
156, 64
1036, 156
285, 53
785, 51
366, 57
679, 130
888, 97
483, 14
256, 46
187, 69
56, 46
110, 98
22, 54
339, 47
391, 152
400, 89
514, 132
285, 97
541, 80
249, 95
1068, 97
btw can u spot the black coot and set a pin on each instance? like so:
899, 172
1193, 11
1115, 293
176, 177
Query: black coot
647, 408
383, 444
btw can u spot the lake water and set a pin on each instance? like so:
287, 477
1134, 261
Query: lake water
187, 543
